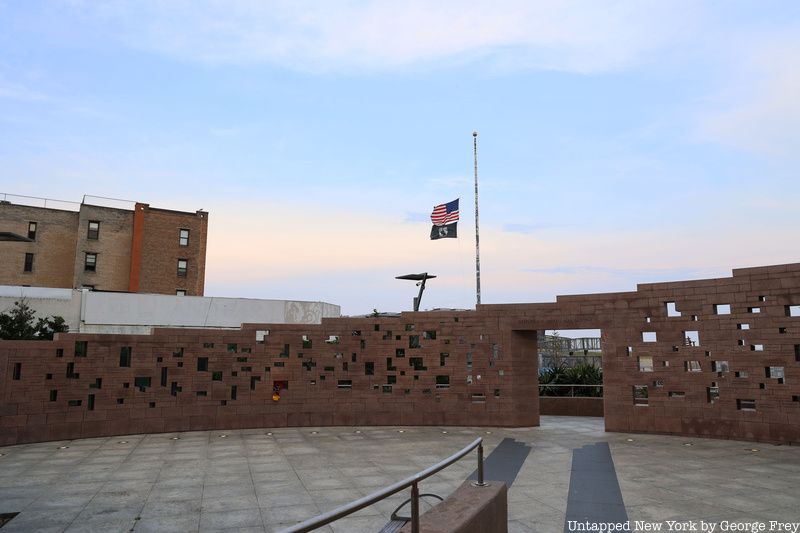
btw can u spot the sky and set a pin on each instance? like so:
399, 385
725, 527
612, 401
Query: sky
619, 142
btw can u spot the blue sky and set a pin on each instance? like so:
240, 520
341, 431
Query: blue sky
619, 142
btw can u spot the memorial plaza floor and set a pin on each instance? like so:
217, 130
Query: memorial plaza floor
266, 479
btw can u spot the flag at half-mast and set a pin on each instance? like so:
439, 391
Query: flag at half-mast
445, 221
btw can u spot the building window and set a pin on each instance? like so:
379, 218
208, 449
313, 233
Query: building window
94, 230
180, 292
183, 239
183, 267
32, 231
28, 263
90, 263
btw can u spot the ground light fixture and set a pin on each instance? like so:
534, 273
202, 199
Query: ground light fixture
357, 431
222, 436
688, 444
174, 438
269, 433
401, 430
123, 442
63, 447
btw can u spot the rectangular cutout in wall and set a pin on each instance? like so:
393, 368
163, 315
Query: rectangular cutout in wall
792, 310
125, 356
691, 338
344, 384
478, 397
757, 347
672, 311
413, 341
775, 372
53, 395
442, 382
677, 394
332, 339
90, 402
745, 405
754, 310
645, 363
141, 383
163, 376
217, 376
443, 358
202, 364
417, 363
234, 390
712, 394
429, 335
743, 326
74, 403
17, 374
797, 352
81, 348
720, 366
649, 336
722, 309
741, 374
640, 395
692, 366
261, 335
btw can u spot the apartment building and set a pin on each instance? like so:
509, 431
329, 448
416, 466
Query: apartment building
142, 249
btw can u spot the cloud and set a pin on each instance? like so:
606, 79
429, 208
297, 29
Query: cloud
566, 35
350, 257
761, 113
20, 93
528, 228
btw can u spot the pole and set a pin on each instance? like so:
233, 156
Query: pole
477, 235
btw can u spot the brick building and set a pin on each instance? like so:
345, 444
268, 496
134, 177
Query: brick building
145, 249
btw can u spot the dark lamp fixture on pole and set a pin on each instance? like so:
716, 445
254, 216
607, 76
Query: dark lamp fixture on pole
420, 279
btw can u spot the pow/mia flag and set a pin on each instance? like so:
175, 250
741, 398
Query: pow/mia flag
445, 221
444, 232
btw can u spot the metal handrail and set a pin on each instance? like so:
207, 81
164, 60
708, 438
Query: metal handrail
357, 505
571, 388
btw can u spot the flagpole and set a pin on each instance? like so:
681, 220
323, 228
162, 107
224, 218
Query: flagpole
477, 235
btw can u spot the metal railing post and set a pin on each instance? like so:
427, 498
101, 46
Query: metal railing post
480, 482
414, 508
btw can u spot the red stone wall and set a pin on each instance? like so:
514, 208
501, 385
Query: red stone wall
496, 342
234, 387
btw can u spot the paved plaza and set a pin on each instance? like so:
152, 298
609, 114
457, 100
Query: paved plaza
266, 479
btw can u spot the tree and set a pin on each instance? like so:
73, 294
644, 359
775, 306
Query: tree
20, 323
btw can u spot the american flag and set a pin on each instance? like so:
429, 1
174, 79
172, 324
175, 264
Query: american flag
445, 213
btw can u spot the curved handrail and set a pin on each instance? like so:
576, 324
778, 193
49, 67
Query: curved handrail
357, 505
